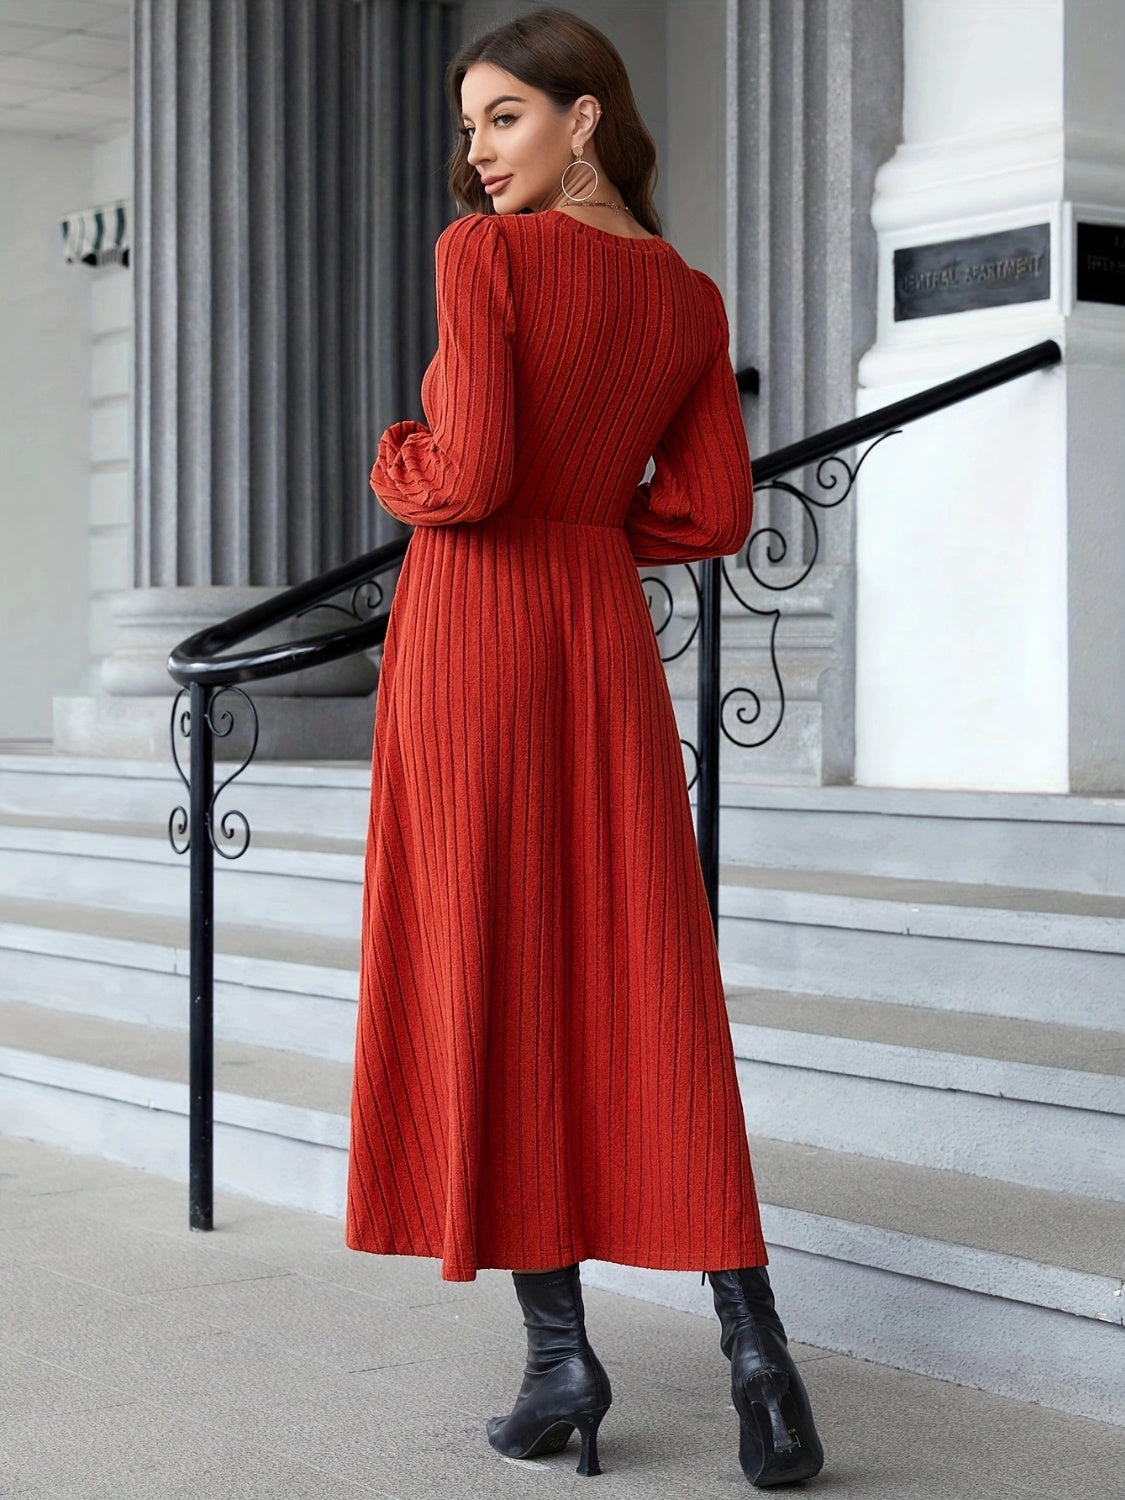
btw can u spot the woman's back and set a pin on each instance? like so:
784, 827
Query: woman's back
579, 348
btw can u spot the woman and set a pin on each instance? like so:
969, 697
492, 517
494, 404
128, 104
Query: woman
544, 1070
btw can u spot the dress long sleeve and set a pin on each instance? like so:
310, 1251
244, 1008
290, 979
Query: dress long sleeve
459, 467
699, 502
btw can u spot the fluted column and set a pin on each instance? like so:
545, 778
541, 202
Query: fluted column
814, 105
283, 316
404, 140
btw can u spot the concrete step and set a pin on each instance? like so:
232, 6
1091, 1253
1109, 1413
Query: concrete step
1045, 841
1042, 955
1009, 1288
982, 1283
297, 882
119, 1091
1052, 956
1050, 841
329, 799
1041, 840
294, 990
1017, 1101
1023, 1101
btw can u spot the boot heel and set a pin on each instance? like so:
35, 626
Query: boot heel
767, 1392
588, 1430
778, 1442
770, 1449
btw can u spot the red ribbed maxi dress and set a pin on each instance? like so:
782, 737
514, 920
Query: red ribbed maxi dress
544, 1071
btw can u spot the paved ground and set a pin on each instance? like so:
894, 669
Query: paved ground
140, 1361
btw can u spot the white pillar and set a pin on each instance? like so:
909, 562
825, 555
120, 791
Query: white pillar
991, 537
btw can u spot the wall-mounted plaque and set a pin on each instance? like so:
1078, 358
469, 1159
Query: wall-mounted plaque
988, 270
1100, 264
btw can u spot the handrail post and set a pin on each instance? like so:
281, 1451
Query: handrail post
202, 940
707, 794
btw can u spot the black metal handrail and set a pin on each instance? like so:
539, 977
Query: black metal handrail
879, 423
198, 659
827, 445
208, 668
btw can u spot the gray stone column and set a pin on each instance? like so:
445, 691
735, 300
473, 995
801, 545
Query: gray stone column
276, 333
814, 106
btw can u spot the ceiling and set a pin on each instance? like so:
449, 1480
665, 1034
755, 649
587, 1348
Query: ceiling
64, 68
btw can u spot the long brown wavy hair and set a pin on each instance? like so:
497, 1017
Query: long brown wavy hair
554, 50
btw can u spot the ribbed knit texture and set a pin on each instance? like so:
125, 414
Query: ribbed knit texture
544, 1070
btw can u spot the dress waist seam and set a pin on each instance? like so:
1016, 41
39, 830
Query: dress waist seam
562, 521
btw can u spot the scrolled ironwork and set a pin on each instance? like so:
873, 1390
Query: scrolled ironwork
662, 608
365, 601
831, 470
229, 834
755, 698
179, 834
827, 478
232, 839
694, 753
661, 603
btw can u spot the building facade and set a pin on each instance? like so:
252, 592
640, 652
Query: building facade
922, 903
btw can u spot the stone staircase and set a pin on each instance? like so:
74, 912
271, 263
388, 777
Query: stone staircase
925, 992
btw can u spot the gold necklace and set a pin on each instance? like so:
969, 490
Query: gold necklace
602, 203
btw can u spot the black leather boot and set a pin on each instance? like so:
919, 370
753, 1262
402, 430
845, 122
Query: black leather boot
564, 1384
778, 1441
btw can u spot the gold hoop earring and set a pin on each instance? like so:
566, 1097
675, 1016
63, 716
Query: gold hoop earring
562, 180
